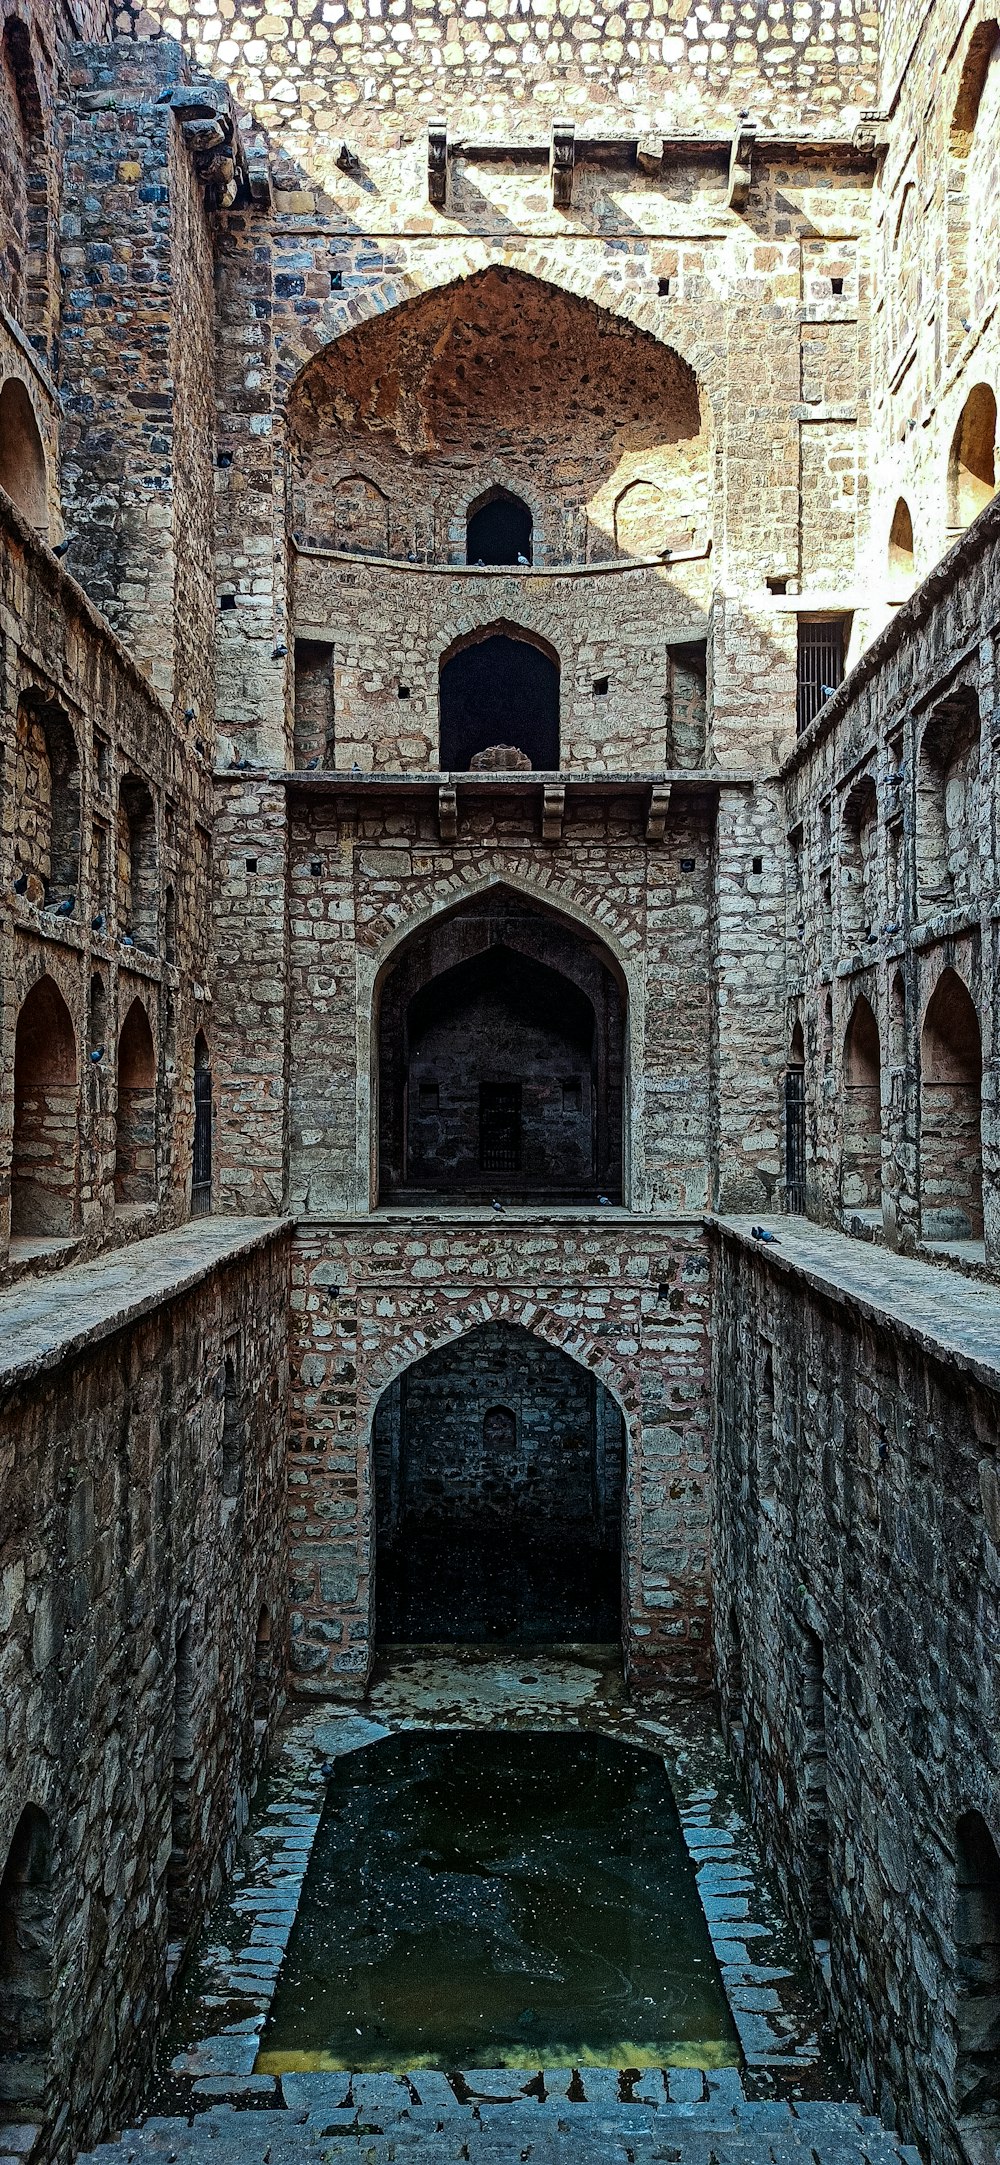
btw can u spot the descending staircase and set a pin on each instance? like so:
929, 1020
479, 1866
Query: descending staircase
594, 2117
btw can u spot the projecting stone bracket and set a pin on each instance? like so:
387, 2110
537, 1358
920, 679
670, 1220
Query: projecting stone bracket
740, 166
208, 123
437, 163
553, 811
656, 811
448, 814
562, 162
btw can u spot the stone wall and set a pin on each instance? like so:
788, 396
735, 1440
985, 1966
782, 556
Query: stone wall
856, 1576
890, 881
142, 1451
624, 1297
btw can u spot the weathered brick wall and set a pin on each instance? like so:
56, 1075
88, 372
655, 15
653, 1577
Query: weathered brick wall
119, 1539
930, 881
855, 1486
627, 1299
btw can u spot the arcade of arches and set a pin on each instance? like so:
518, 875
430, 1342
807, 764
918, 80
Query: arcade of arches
499, 1139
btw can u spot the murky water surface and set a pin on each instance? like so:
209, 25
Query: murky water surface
498, 1900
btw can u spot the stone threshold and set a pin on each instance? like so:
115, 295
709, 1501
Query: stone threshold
953, 1318
48, 1319
232, 1976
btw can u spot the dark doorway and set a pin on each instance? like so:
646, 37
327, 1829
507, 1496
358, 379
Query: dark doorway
498, 1485
500, 690
501, 1052
26, 1926
498, 531
977, 1962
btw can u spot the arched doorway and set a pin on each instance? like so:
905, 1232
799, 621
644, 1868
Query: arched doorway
22, 458
43, 1161
498, 529
498, 1486
951, 1149
977, 1970
500, 688
26, 1969
501, 1042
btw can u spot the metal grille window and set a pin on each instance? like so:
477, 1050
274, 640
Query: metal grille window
795, 1141
500, 1127
820, 666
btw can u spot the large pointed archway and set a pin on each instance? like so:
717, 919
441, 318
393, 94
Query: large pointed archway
501, 1033
498, 1467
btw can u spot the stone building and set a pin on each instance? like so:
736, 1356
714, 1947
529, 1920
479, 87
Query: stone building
499, 637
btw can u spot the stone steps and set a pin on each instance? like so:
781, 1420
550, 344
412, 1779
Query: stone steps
385, 2120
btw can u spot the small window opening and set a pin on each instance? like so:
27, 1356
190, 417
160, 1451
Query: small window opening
430, 1097
601, 687
402, 691
820, 665
572, 1098
836, 287
227, 601
498, 530
499, 1433
251, 864
757, 864
316, 868
977, 1949
777, 583
663, 288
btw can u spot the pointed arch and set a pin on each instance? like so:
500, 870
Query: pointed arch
900, 552
44, 1151
972, 479
135, 1134
861, 1181
23, 471
499, 688
951, 1148
499, 529
498, 1474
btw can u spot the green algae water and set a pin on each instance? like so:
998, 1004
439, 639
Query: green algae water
498, 1900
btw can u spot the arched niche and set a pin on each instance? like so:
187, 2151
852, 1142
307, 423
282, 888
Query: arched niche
135, 1132
501, 1036
499, 687
44, 1154
138, 873
861, 1185
22, 455
201, 1141
26, 1963
972, 459
498, 1464
951, 1150
46, 801
499, 529
24, 193
858, 863
947, 836
900, 552
499, 373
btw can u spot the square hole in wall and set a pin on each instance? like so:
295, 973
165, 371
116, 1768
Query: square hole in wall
600, 687
430, 1097
663, 288
837, 286
402, 691
777, 583
757, 864
687, 864
336, 281
251, 864
315, 868
227, 601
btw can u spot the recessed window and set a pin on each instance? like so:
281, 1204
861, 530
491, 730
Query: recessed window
758, 864
315, 868
402, 691
777, 585
227, 601
687, 864
837, 286
663, 288
601, 687
336, 281
251, 864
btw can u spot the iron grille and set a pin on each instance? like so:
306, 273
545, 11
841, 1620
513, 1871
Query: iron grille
500, 1127
795, 1141
201, 1167
820, 667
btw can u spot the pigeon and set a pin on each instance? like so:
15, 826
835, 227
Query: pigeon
62, 546
97, 923
21, 884
199, 745
190, 713
278, 651
144, 947
604, 1198
242, 766
523, 559
760, 1232
499, 1208
98, 1055
311, 764
62, 909
890, 930
127, 940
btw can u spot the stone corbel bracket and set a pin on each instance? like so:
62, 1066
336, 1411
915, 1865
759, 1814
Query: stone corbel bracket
553, 811
656, 811
209, 126
448, 813
740, 165
562, 163
437, 163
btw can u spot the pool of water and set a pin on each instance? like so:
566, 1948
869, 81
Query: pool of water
498, 1900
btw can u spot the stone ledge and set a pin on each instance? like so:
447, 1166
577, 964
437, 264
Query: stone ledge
45, 1321
947, 1316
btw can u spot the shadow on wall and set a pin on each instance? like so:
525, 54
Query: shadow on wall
26, 1928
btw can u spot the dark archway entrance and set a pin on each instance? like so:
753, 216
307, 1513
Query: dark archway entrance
501, 1036
498, 1486
498, 530
500, 689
